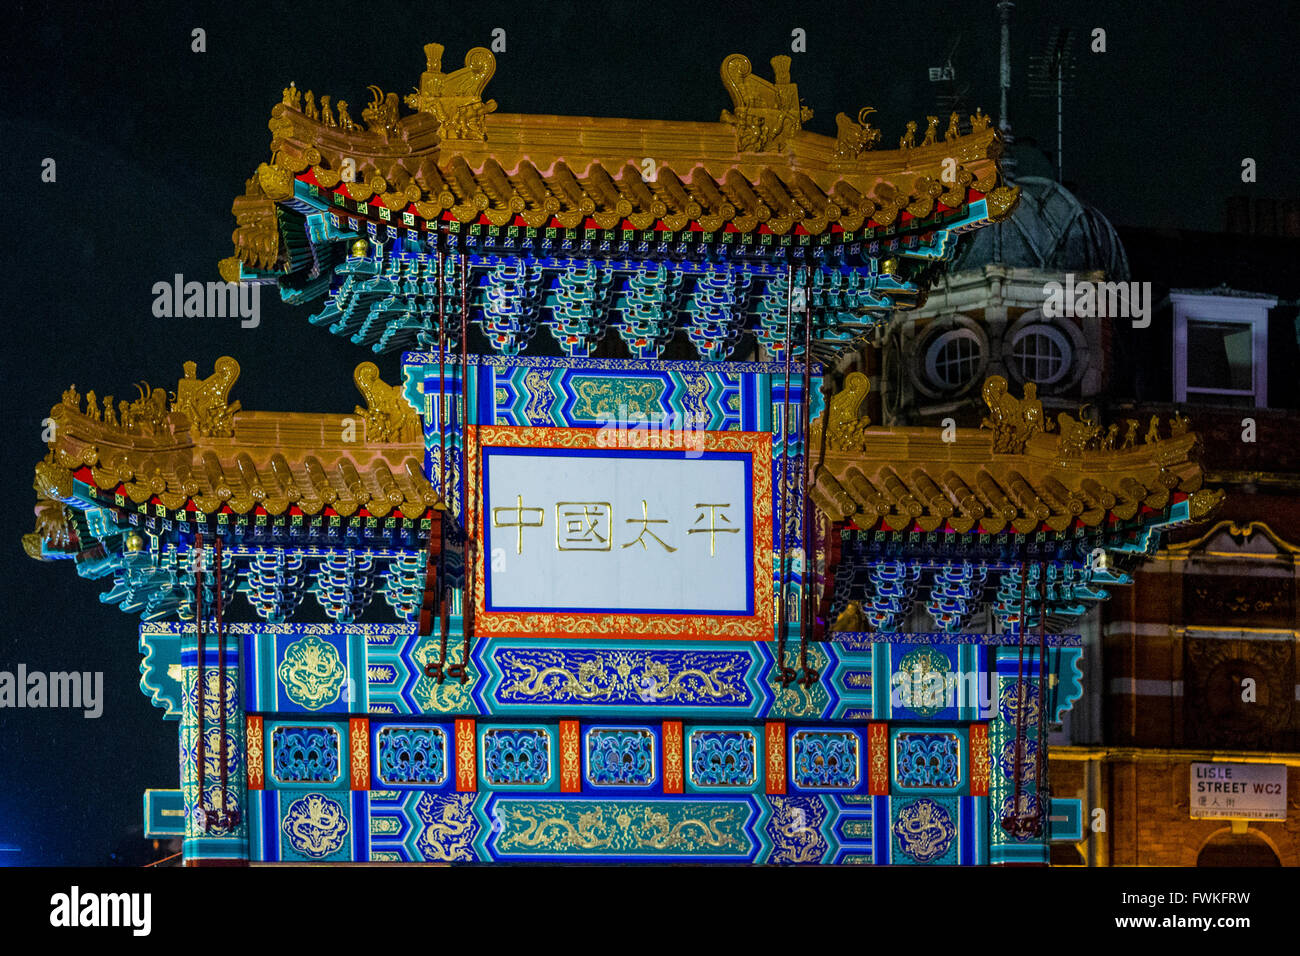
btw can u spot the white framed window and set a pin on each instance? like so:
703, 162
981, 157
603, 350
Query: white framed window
953, 359
1221, 348
1040, 354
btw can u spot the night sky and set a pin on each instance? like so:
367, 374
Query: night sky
153, 141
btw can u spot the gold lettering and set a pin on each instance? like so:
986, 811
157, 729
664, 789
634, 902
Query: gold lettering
519, 523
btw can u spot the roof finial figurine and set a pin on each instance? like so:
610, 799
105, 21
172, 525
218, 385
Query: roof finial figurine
953, 131
1153, 432
931, 130
345, 118
766, 113
979, 120
382, 114
908, 139
326, 116
456, 99
292, 96
853, 139
1013, 420
1131, 435
309, 106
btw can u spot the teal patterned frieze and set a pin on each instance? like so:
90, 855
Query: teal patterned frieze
664, 830
636, 678
305, 755
517, 757
826, 759
579, 392
928, 760
620, 757
409, 756
723, 758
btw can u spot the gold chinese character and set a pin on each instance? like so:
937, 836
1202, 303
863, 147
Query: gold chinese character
578, 525
645, 521
518, 511
713, 530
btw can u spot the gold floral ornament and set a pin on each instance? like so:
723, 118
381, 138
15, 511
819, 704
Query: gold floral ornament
766, 113
389, 416
203, 401
312, 673
844, 420
456, 99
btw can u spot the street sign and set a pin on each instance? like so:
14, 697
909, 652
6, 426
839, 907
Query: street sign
1238, 791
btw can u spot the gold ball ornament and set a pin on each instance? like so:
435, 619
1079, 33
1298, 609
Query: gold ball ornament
134, 542
360, 248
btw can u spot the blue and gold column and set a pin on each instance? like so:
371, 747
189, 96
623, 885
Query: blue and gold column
216, 830
1015, 692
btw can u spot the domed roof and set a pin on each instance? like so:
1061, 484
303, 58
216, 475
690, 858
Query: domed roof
1050, 230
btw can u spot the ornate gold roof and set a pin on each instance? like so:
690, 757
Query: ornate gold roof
1017, 473
198, 449
455, 156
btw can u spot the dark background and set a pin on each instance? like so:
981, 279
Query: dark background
153, 141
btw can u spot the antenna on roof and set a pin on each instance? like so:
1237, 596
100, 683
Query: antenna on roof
949, 96
1050, 74
1004, 72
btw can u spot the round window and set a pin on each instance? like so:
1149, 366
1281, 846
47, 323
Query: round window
953, 359
1040, 354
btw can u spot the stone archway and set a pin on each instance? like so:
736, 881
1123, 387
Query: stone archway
1225, 848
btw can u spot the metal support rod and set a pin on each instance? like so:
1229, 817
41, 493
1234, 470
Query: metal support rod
223, 820
200, 753
1040, 774
1011, 822
809, 560
441, 602
467, 549
785, 674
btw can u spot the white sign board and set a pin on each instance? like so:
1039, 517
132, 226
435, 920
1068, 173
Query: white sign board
581, 538
596, 531
1238, 791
